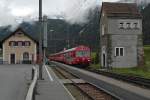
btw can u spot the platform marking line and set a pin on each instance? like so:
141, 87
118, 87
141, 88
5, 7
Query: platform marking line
50, 77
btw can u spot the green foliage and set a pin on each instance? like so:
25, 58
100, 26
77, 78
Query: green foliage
146, 24
95, 57
147, 55
95, 61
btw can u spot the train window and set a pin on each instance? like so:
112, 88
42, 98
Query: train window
82, 53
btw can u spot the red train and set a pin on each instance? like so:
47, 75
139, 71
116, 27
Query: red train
75, 56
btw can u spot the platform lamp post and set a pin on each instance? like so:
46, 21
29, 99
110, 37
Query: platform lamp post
52, 38
44, 39
40, 40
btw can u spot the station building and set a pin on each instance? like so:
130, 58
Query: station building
121, 35
19, 47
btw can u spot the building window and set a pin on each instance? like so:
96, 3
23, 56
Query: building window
13, 43
23, 43
19, 43
128, 25
19, 33
121, 26
27, 43
136, 25
103, 29
119, 51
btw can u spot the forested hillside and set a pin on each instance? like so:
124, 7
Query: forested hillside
146, 24
59, 31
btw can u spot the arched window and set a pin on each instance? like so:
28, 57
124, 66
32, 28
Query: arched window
25, 56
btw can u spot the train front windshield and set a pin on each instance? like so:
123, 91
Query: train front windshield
82, 53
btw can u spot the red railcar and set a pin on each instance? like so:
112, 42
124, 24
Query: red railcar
75, 56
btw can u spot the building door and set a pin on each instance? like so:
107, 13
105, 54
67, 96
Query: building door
12, 58
104, 60
25, 56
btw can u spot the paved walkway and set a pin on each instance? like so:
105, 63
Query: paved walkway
13, 81
122, 89
51, 88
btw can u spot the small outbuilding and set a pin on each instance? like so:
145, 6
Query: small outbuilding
121, 40
19, 47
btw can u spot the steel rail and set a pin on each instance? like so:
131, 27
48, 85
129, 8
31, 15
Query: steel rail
101, 89
75, 84
30, 95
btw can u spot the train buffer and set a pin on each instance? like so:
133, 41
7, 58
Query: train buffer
51, 88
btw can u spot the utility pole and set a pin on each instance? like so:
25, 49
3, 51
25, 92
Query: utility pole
40, 40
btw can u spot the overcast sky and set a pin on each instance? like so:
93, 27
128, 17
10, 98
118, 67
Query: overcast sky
74, 11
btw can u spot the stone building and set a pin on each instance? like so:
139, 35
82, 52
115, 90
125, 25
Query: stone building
121, 35
19, 47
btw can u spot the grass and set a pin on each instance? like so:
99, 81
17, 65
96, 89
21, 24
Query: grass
95, 66
133, 71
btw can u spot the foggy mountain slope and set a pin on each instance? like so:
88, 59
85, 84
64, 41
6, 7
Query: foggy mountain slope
59, 30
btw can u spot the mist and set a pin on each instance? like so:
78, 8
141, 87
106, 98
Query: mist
136, 1
14, 12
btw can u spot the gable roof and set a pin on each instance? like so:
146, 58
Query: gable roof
19, 30
127, 10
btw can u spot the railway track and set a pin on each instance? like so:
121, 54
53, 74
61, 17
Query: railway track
127, 78
118, 89
142, 82
91, 91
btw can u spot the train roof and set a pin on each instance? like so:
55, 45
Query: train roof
81, 47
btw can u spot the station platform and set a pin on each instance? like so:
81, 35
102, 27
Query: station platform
120, 89
51, 88
67, 81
